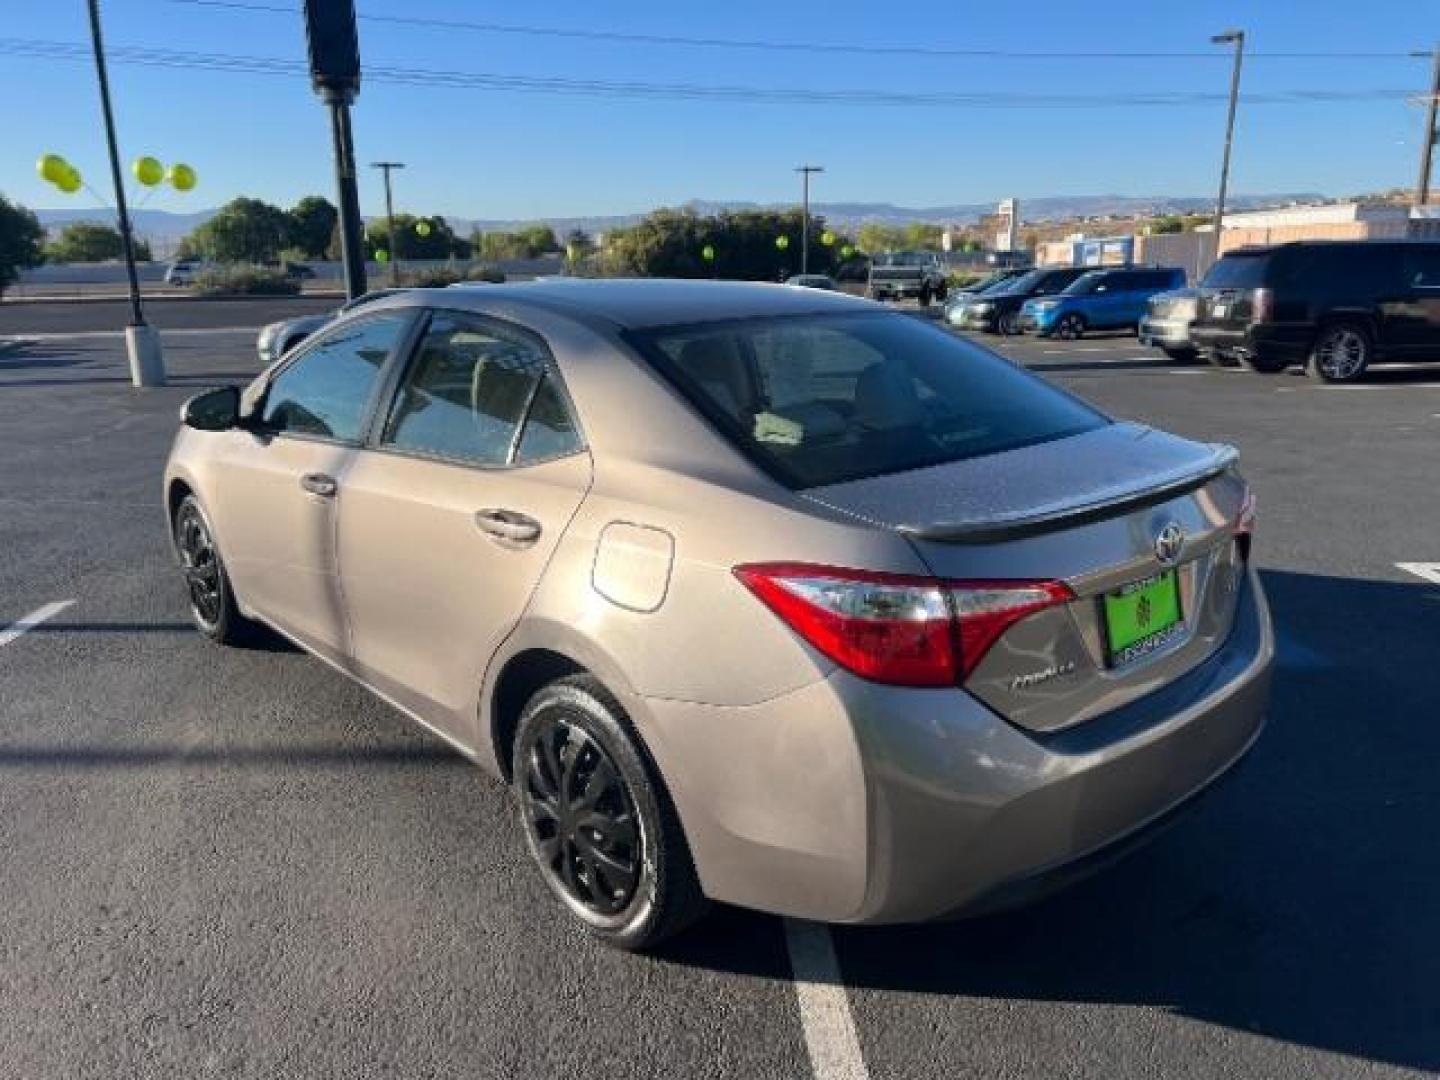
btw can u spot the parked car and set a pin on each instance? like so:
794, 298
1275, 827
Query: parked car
278, 338
1166, 325
298, 271
989, 281
761, 595
812, 281
1103, 299
998, 310
954, 309
181, 274
903, 275
1337, 306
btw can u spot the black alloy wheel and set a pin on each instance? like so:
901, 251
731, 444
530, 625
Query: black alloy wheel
584, 827
1070, 327
598, 821
211, 600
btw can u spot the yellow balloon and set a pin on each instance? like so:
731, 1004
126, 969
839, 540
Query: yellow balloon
148, 171
782, 242
181, 177
51, 167
381, 255
827, 238
69, 183
422, 228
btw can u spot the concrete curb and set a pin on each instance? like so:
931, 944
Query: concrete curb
186, 298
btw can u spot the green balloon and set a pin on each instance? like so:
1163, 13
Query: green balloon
707, 253
827, 238
52, 167
148, 171
181, 177
381, 255
782, 242
422, 228
70, 182
847, 251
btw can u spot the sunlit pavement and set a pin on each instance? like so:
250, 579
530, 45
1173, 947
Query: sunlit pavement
236, 863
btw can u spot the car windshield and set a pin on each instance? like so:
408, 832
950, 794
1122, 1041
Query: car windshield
820, 399
1025, 283
1237, 271
900, 258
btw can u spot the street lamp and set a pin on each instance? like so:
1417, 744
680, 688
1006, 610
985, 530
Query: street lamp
805, 171
1236, 38
387, 167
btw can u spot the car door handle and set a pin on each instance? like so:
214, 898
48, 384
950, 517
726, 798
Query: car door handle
319, 484
508, 526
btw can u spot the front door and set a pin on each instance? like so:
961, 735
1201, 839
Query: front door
277, 484
449, 516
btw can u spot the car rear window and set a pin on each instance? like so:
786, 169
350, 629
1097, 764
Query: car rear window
1237, 272
820, 399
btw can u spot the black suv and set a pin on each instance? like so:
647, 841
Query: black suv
1336, 305
998, 309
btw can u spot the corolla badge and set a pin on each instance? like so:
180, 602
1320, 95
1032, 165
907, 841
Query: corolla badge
1168, 542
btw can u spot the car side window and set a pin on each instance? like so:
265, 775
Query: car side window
1422, 267
324, 392
469, 389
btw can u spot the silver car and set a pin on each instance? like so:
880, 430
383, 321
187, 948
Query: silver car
1166, 323
278, 338
755, 594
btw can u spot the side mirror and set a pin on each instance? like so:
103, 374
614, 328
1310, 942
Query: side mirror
214, 410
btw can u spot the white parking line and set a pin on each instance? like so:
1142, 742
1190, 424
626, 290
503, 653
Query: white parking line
830, 1035
1430, 571
28, 622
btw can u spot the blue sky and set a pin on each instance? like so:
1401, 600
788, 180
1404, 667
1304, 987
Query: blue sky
475, 153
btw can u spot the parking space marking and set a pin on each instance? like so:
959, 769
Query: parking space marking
830, 1035
1430, 571
27, 623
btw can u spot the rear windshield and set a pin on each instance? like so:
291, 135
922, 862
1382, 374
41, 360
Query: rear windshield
1237, 272
820, 399
1022, 284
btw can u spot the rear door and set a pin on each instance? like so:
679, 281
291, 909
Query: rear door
1416, 319
452, 510
277, 483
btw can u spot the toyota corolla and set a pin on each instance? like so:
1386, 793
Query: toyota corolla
753, 594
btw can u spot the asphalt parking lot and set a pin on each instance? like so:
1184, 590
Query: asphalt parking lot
236, 863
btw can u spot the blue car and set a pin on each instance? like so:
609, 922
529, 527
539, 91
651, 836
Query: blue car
1104, 299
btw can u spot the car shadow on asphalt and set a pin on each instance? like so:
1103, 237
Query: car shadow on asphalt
1297, 902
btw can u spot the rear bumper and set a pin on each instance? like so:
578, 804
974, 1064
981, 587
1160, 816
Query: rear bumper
972, 320
852, 802
884, 289
1288, 341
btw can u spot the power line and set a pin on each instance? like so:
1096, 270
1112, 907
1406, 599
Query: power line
624, 37
599, 88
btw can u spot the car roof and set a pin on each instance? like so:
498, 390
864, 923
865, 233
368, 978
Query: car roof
635, 303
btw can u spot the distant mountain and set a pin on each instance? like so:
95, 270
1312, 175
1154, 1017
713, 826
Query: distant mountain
165, 228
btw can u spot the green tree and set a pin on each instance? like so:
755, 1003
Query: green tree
20, 238
671, 243
89, 242
436, 240
312, 221
242, 231
1168, 223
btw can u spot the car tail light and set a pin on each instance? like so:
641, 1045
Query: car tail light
1245, 524
896, 628
1262, 307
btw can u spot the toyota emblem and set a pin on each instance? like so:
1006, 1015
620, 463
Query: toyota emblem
1168, 542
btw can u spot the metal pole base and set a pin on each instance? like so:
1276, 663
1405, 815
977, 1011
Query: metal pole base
142, 346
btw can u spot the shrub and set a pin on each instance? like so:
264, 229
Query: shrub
244, 281
434, 278
486, 273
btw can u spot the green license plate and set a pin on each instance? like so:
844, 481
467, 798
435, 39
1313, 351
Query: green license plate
1142, 616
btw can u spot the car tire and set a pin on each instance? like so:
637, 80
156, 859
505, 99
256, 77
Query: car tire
598, 823
1181, 355
1071, 327
1217, 359
942, 292
924, 297
1265, 365
1341, 353
1007, 324
211, 597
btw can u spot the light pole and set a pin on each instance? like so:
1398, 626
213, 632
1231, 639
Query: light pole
142, 343
805, 171
1428, 135
387, 167
1236, 38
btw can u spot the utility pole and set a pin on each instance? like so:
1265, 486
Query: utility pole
334, 48
387, 167
1236, 38
1428, 135
805, 171
142, 343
